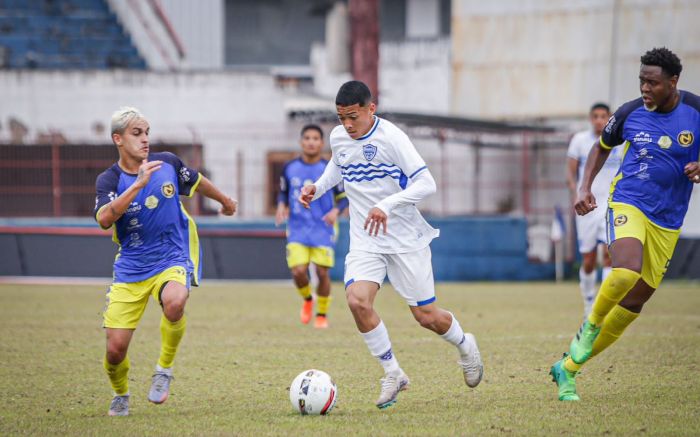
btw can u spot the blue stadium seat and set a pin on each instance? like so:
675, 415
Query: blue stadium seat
66, 34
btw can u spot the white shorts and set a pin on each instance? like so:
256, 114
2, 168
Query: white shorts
591, 229
410, 273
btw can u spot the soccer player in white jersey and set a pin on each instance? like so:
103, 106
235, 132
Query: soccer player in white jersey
384, 178
591, 228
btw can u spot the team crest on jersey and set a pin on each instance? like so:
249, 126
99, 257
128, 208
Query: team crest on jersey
168, 189
620, 220
151, 202
686, 138
665, 142
370, 151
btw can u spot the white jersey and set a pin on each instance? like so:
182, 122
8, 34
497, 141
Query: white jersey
373, 167
579, 148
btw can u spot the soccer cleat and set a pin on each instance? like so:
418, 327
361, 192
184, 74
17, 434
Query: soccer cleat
392, 384
119, 406
160, 387
307, 309
582, 345
471, 364
321, 322
565, 380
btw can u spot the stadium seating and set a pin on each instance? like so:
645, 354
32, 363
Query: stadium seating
67, 34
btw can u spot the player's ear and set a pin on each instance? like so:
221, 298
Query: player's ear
117, 139
674, 81
372, 108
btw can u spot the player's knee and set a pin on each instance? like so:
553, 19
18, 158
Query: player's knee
425, 319
300, 273
358, 305
174, 307
322, 273
116, 352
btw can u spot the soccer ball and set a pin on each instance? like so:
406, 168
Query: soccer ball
313, 392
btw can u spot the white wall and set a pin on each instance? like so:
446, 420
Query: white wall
200, 26
550, 58
230, 113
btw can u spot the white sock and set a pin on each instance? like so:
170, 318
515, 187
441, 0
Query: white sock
588, 289
379, 345
455, 336
167, 370
606, 272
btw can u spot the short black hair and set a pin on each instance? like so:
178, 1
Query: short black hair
353, 92
600, 105
664, 58
311, 127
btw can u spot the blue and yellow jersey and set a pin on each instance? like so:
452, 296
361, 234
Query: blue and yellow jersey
306, 226
657, 147
155, 232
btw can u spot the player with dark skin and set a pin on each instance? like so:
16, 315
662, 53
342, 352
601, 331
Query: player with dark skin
357, 121
133, 147
311, 147
659, 93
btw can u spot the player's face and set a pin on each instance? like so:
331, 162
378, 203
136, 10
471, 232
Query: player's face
655, 86
311, 143
134, 141
357, 120
599, 118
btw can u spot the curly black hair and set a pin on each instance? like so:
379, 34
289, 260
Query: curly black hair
664, 58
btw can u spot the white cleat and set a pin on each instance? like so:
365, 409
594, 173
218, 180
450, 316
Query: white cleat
392, 384
471, 363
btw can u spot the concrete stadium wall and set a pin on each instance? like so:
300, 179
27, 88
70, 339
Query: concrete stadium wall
468, 249
550, 58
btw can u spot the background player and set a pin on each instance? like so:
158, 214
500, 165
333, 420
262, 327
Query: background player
311, 233
590, 229
648, 202
158, 248
384, 178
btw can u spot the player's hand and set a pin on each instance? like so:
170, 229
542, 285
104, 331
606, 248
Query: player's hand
331, 217
585, 203
281, 215
375, 219
307, 195
145, 171
692, 170
229, 206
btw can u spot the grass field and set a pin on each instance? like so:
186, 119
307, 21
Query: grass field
244, 345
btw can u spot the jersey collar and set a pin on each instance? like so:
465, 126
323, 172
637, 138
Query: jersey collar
371, 131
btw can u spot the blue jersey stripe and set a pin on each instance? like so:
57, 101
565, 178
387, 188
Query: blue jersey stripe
418, 171
370, 171
367, 165
370, 178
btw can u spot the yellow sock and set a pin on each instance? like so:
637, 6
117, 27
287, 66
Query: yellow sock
305, 291
322, 303
613, 289
170, 335
118, 375
614, 325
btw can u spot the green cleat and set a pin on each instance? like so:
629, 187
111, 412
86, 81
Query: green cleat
566, 381
582, 345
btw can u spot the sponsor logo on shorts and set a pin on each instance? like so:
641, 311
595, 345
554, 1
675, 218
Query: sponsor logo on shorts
665, 142
151, 202
168, 189
620, 220
686, 138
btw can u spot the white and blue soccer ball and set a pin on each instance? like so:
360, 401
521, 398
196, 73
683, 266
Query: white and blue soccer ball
313, 392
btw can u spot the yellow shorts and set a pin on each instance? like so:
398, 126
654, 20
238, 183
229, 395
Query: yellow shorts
126, 302
298, 254
626, 221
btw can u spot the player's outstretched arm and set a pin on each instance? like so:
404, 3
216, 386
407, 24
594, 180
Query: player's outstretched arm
112, 211
330, 178
692, 170
586, 202
281, 214
207, 189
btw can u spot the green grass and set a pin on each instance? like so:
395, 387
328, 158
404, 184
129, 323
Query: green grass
244, 345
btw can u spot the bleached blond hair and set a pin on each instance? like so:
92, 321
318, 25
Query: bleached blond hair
122, 117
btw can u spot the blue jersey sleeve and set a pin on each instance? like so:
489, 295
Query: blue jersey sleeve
187, 178
341, 199
106, 189
613, 132
283, 196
